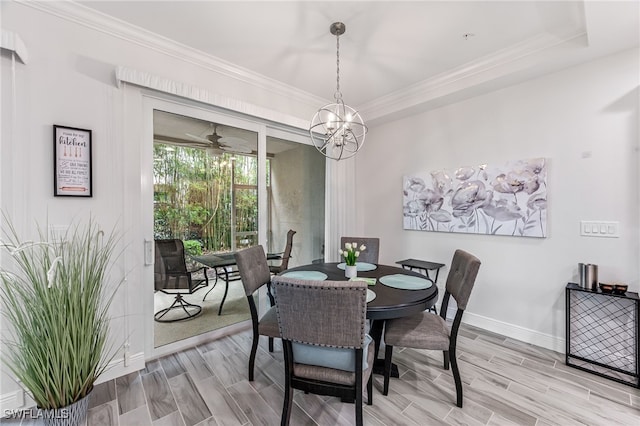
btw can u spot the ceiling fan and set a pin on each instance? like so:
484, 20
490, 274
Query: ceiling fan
215, 141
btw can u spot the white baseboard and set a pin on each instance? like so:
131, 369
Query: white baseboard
117, 368
11, 401
533, 337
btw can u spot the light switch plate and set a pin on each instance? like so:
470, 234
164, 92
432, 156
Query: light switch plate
600, 228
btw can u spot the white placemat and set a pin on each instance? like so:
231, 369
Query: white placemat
405, 282
370, 295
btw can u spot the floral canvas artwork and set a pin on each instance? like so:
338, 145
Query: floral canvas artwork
485, 199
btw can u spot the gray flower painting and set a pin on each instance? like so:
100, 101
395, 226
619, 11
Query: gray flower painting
508, 200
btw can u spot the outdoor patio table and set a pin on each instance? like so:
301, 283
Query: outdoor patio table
222, 264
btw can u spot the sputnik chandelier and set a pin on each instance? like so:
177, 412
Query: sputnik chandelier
336, 129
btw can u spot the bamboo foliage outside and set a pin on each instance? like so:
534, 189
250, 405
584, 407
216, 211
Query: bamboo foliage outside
194, 197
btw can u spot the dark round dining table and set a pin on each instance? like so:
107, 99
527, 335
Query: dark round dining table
390, 302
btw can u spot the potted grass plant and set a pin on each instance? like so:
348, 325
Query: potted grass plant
56, 299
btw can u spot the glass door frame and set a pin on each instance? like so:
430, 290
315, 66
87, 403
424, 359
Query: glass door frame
239, 187
153, 102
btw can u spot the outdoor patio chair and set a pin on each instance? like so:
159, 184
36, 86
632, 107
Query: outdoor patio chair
171, 276
286, 255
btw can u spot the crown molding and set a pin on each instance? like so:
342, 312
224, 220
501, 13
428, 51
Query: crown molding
491, 67
12, 42
90, 18
432, 91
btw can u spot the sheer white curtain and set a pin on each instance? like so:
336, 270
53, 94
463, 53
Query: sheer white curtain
340, 208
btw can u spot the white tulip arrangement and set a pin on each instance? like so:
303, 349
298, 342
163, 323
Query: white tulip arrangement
351, 253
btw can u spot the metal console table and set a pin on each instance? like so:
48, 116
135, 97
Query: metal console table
602, 333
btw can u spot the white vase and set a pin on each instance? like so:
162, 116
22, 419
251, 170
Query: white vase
351, 271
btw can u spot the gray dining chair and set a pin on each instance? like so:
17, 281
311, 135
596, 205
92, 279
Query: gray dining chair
326, 348
254, 272
371, 254
427, 330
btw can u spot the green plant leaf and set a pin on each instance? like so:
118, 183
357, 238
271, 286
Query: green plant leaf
58, 345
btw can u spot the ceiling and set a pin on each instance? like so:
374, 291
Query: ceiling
389, 47
396, 57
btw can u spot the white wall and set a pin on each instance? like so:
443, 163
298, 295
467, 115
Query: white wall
584, 120
69, 80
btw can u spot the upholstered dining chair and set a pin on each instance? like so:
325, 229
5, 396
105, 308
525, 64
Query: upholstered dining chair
286, 255
326, 349
427, 330
254, 272
371, 254
171, 276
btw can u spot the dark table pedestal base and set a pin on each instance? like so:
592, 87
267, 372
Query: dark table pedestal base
378, 365
378, 368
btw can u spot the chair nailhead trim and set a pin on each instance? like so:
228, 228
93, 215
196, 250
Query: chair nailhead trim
363, 294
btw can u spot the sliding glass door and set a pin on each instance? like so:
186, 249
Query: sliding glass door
296, 199
222, 184
205, 194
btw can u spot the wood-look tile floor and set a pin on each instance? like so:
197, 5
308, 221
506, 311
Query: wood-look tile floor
506, 382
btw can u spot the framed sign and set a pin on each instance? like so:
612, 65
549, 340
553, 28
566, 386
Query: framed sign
71, 162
